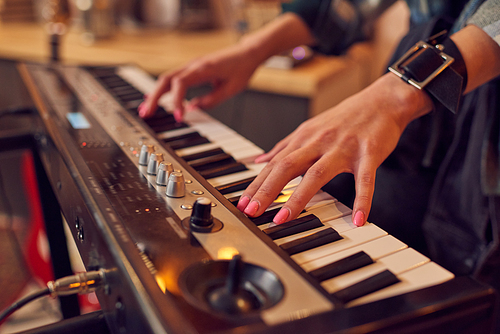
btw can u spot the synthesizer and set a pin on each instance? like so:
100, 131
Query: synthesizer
151, 202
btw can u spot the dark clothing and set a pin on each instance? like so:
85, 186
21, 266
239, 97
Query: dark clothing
439, 191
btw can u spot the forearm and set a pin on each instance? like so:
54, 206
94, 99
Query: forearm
284, 33
481, 55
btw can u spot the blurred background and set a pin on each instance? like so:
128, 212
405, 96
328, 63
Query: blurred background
158, 36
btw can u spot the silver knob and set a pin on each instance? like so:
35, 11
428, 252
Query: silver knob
154, 161
163, 173
144, 155
175, 185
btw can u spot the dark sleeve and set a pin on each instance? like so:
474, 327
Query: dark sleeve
337, 24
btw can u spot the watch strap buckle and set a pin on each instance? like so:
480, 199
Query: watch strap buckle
397, 69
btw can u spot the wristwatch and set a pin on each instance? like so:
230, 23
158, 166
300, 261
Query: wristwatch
437, 67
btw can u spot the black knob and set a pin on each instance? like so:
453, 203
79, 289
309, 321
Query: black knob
201, 217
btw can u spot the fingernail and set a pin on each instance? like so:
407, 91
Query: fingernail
260, 158
242, 203
252, 208
141, 109
359, 218
281, 216
178, 115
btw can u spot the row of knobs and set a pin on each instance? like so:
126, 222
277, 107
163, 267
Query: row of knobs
201, 219
164, 171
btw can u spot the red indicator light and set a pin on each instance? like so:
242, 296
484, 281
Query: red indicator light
84, 144
147, 210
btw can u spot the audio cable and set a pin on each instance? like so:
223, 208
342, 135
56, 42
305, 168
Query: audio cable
81, 283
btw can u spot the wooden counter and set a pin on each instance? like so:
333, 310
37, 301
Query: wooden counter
323, 80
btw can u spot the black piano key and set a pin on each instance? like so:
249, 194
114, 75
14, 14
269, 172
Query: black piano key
266, 217
234, 200
223, 170
113, 82
133, 105
160, 113
367, 286
208, 153
295, 226
340, 267
131, 96
124, 90
170, 127
190, 135
235, 186
165, 119
186, 140
317, 239
213, 161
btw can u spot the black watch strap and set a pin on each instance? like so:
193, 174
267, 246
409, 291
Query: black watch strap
437, 68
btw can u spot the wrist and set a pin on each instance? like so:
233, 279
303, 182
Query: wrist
402, 100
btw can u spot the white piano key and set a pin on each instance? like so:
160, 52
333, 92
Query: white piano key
376, 249
332, 211
421, 277
397, 263
352, 237
253, 170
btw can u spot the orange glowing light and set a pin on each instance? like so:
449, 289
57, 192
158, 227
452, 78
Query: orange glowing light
227, 253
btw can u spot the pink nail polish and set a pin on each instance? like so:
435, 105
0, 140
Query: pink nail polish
281, 216
252, 208
141, 109
178, 115
243, 202
359, 218
260, 158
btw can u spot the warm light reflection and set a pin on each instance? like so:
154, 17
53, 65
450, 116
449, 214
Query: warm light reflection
284, 196
226, 253
161, 282
167, 280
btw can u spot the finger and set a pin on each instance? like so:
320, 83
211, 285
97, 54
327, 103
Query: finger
365, 186
266, 157
215, 97
316, 176
264, 190
180, 83
150, 103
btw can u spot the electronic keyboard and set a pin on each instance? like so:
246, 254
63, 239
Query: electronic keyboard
152, 203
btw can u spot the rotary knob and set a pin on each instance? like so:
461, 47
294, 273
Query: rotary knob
154, 161
201, 219
175, 185
146, 150
163, 173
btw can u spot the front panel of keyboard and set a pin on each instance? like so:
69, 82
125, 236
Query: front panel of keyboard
239, 271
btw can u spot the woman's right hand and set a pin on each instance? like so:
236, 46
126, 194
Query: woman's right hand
227, 70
